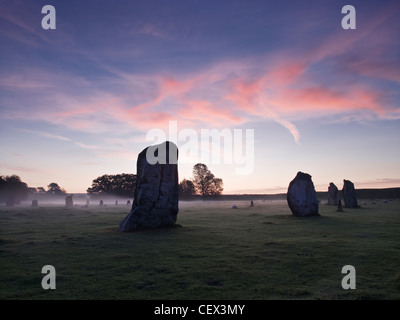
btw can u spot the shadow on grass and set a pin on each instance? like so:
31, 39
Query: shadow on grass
144, 230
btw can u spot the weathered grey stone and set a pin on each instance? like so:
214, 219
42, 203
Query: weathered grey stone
349, 194
35, 204
155, 202
301, 196
333, 194
339, 206
69, 203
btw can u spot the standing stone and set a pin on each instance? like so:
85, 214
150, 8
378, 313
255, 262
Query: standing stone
339, 206
34, 204
69, 203
101, 203
333, 194
251, 203
301, 196
349, 194
155, 202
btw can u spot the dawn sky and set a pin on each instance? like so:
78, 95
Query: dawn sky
77, 102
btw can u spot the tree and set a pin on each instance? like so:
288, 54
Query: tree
186, 188
216, 187
123, 185
37, 190
206, 184
3, 185
12, 190
55, 189
40, 190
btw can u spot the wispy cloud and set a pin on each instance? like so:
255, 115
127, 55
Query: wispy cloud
46, 135
85, 146
229, 92
24, 169
152, 30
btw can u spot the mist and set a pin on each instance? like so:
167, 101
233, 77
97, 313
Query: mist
79, 200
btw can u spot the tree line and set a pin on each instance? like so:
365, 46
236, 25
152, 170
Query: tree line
204, 183
13, 190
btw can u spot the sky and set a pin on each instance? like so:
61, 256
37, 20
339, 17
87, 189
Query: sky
83, 100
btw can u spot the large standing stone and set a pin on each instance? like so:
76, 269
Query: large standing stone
155, 202
349, 194
333, 194
301, 196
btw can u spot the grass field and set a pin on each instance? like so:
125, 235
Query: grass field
218, 253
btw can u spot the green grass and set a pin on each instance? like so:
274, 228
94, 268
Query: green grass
218, 253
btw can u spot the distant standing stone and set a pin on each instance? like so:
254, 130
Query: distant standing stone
234, 207
155, 202
116, 202
339, 206
101, 203
35, 204
128, 203
251, 203
69, 203
349, 194
301, 196
333, 194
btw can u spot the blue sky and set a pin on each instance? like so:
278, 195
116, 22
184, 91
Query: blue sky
78, 101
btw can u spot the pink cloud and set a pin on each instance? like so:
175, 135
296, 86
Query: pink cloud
341, 42
287, 73
325, 100
389, 70
209, 114
280, 86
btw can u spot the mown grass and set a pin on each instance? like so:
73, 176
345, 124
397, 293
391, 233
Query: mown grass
218, 253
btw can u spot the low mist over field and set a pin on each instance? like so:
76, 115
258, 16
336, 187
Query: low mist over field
259, 252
